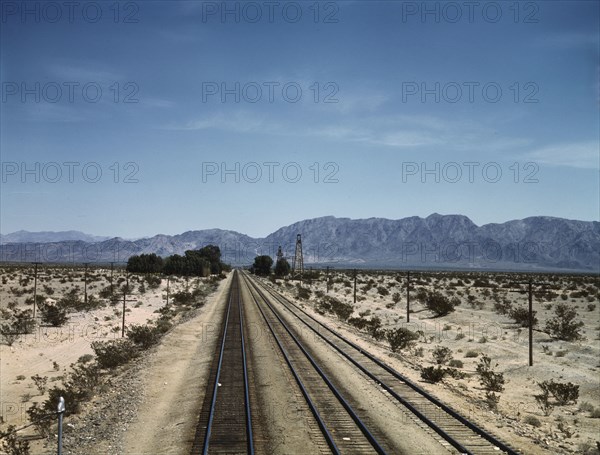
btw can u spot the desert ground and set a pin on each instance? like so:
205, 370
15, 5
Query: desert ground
133, 406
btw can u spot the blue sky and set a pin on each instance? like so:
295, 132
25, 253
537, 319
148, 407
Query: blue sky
371, 100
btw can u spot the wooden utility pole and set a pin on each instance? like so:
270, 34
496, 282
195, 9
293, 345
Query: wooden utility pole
112, 269
354, 285
407, 296
35, 285
124, 301
530, 283
168, 276
85, 299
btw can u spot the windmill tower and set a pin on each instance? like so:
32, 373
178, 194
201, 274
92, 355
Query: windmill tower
298, 262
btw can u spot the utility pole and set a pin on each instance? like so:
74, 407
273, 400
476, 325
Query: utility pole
112, 269
168, 276
530, 283
125, 300
85, 299
35, 285
408, 296
354, 285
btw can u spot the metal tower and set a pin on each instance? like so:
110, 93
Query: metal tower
279, 254
298, 262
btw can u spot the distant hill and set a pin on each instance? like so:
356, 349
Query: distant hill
49, 236
438, 241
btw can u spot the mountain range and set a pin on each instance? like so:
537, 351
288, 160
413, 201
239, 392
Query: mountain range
437, 241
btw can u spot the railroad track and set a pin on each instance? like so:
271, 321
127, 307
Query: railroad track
342, 428
225, 424
455, 429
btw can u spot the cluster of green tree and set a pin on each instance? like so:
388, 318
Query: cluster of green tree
262, 266
202, 262
145, 263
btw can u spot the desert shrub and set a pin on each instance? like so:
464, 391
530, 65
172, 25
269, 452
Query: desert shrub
442, 355
562, 392
54, 315
70, 301
183, 298
40, 382
490, 380
153, 281
113, 353
533, 421
382, 290
396, 297
303, 293
491, 400
11, 444
14, 324
595, 414
439, 304
85, 358
400, 338
521, 316
563, 325
471, 354
433, 374
455, 363
143, 336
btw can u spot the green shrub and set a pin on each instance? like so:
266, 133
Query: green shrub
442, 355
563, 325
562, 392
455, 363
400, 338
439, 304
521, 316
113, 353
11, 444
143, 336
490, 380
433, 374
471, 354
54, 315
533, 421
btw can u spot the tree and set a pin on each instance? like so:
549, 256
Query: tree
563, 325
145, 263
282, 268
262, 265
440, 304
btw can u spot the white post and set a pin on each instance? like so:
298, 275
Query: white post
61, 411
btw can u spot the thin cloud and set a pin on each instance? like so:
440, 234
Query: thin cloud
580, 155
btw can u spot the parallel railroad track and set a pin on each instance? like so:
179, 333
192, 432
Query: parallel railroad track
455, 429
342, 428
